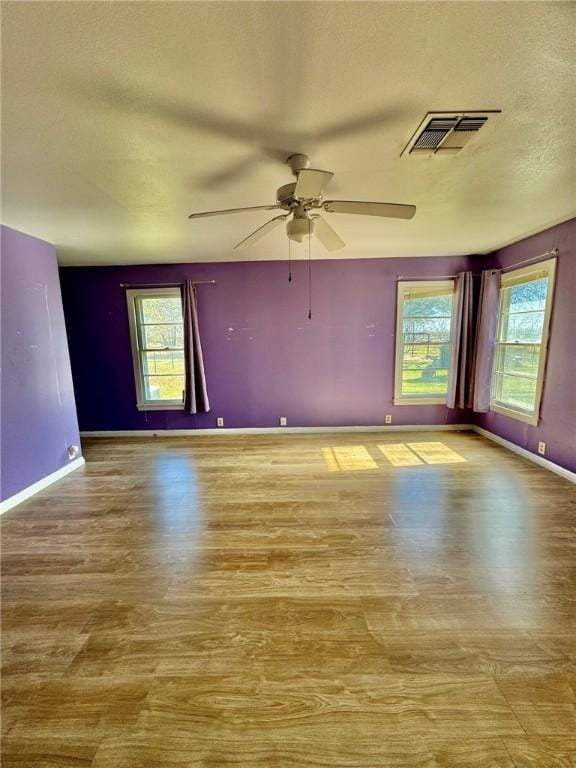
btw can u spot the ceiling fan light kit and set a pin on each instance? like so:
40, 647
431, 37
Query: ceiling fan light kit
299, 228
301, 199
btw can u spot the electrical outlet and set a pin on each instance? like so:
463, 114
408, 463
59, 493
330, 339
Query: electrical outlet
541, 448
219, 421
282, 421
388, 419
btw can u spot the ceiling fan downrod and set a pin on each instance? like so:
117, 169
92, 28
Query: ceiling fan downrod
298, 162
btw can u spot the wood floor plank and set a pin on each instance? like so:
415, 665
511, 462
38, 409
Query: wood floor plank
545, 704
237, 602
367, 706
548, 752
179, 750
79, 712
31, 752
47, 655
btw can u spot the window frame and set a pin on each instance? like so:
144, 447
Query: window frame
399, 398
508, 279
142, 403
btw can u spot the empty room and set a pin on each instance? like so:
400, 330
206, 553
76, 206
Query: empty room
288, 384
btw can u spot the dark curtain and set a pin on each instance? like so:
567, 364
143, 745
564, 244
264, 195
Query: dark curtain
196, 394
462, 344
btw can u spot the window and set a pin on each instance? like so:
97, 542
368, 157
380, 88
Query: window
157, 336
423, 331
520, 354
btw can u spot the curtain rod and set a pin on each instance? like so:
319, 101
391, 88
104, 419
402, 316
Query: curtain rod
552, 252
165, 285
432, 277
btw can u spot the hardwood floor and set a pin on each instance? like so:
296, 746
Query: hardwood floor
292, 601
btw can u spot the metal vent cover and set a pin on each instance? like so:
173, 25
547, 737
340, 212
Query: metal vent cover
446, 133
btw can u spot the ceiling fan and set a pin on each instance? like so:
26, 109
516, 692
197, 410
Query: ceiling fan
301, 198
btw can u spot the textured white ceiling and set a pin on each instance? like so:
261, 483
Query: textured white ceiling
120, 118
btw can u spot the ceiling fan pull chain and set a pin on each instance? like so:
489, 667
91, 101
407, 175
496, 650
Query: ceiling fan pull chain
289, 261
309, 274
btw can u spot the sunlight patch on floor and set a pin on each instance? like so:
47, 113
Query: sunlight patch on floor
356, 457
399, 455
436, 453
330, 459
348, 458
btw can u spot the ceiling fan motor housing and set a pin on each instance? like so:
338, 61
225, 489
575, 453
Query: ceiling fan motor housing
298, 228
285, 194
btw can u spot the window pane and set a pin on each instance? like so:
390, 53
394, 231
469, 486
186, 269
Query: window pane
428, 306
425, 369
161, 309
163, 363
517, 373
524, 327
515, 391
425, 339
529, 296
520, 360
426, 329
164, 387
156, 335
433, 383
161, 336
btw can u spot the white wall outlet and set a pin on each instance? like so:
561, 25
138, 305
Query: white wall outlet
541, 448
219, 421
283, 421
388, 418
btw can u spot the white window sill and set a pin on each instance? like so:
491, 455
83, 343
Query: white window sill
527, 418
419, 401
168, 406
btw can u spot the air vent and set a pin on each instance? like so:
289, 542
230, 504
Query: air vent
446, 133
434, 133
470, 123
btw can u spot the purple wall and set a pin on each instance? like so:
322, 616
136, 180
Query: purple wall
557, 426
38, 411
264, 358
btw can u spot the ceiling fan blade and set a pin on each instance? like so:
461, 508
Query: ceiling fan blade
311, 183
388, 210
329, 238
261, 231
234, 210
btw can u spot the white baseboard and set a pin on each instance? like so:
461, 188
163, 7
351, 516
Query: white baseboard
546, 463
21, 496
276, 430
